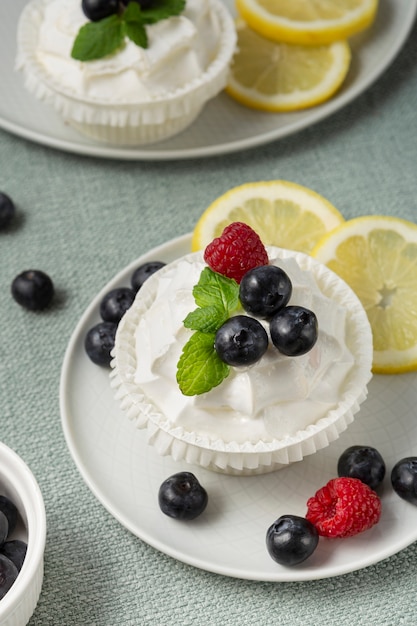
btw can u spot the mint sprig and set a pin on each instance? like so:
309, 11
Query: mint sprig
206, 319
133, 25
199, 367
96, 40
214, 289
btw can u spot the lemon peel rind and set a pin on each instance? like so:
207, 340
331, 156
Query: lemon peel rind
304, 33
379, 366
372, 221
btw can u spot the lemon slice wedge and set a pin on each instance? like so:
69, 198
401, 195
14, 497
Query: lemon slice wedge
283, 214
281, 77
307, 22
377, 257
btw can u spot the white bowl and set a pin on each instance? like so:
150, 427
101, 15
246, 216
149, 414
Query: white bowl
19, 485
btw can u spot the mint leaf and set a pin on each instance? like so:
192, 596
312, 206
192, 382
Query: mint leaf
134, 26
216, 290
199, 367
137, 33
207, 320
98, 39
161, 10
133, 12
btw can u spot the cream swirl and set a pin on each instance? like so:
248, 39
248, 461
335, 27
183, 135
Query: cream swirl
272, 399
180, 49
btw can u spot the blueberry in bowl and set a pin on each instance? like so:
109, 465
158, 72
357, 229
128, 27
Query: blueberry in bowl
22, 551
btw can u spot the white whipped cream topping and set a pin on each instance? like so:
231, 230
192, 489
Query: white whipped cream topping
180, 49
274, 398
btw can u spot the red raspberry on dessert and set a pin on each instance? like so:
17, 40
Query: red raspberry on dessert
237, 250
343, 508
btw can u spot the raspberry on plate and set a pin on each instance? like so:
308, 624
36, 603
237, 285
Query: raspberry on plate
343, 508
237, 250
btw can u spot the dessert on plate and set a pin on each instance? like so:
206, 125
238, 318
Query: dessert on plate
151, 86
257, 416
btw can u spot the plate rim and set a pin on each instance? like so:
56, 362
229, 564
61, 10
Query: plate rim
286, 575
314, 116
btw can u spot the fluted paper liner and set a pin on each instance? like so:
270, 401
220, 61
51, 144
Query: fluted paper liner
229, 456
131, 123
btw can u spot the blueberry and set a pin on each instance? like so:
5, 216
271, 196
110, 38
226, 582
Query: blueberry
265, 290
363, 462
7, 210
182, 497
8, 574
241, 340
96, 10
33, 289
404, 479
143, 272
99, 342
4, 527
291, 539
294, 330
15, 550
115, 304
10, 511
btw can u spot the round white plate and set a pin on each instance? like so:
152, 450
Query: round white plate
124, 473
224, 126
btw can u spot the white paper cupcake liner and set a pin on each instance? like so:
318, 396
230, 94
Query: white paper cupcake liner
229, 456
124, 123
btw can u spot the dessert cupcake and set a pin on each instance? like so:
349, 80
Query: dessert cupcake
141, 92
253, 416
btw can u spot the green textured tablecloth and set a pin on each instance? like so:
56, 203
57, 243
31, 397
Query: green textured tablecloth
84, 219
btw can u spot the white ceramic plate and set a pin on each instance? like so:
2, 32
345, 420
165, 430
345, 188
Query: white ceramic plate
224, 126
124, 473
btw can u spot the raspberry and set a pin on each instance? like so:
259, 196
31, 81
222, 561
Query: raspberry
343, 508
238, 250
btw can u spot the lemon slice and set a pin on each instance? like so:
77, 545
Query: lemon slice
282, 77
377, 257
307, 22
283, 214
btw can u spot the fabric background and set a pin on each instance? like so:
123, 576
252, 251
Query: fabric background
82, 220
